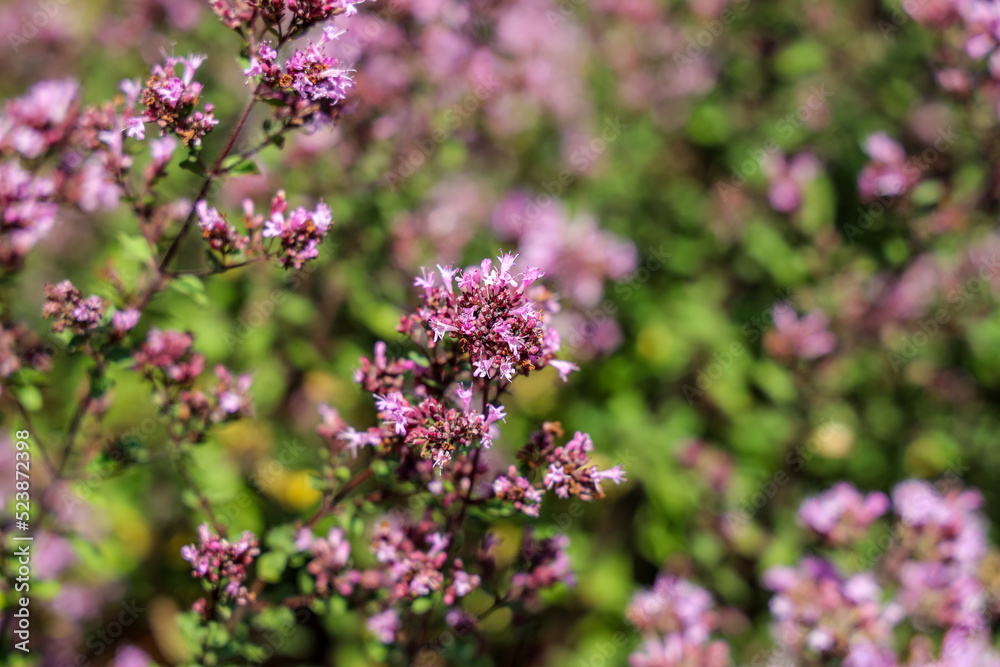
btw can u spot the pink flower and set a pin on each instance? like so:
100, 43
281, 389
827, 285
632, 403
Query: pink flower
216, 559
71, 311
842, 514
384, 625
124, 321
788, 178
805, 338
300, 233
888, 174
135, 128
171, 101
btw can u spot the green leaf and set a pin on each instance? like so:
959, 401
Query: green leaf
418, 359
191, 630
192, 287
100, 385
279, 618
135, 248
218, 636
193, 166
271, 565
238, 165
119, 353
306, 583
30, 397
282, 539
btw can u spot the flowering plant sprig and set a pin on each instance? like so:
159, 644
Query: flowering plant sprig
59, 155
922, 598
440, 416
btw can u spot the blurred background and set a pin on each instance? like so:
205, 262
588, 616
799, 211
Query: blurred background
751, 325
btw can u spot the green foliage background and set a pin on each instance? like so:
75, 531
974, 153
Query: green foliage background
301, 336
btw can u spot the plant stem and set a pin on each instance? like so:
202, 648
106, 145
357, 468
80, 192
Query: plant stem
77, 421
241, 121
354, 483
34, 431
206, 506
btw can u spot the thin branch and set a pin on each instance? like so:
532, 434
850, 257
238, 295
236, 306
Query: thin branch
34, 432
77, 421
212, 272
354, 483
175, 245
206, 506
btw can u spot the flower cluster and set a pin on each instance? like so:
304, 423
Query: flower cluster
827, 613
930, 575
888, 174
437, 413
488, 312
168, 358
299, 232
518, 491
20, 348
794, 337
221, 236
545, 564
436, 429
231, 396
676, 619
170, 98
330, 556
381, 374
171, 355
411, 562
788, 178
305, 13
503, 332
309, 82
235, 14
40, 120
46, 158
979, 35
939, 554
568, 471
842, 514
218, 561
571, 474
28, 212
71, 311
